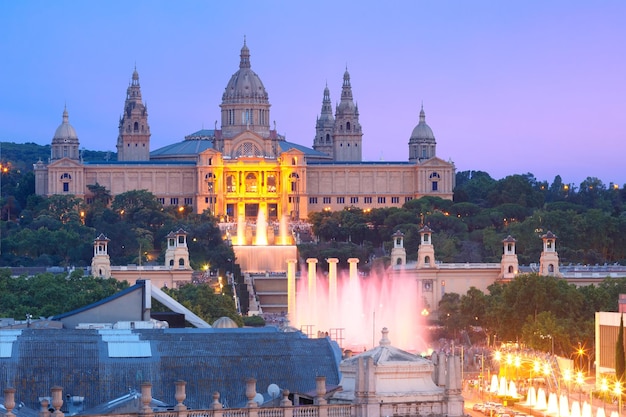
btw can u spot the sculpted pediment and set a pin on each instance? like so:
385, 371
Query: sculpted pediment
436, 162
65, 162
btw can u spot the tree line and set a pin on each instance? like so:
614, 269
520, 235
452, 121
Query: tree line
542, 312
589, 221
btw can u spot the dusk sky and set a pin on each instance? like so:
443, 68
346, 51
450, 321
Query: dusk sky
508, 87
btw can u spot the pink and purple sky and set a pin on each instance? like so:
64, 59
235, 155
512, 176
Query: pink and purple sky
508, 87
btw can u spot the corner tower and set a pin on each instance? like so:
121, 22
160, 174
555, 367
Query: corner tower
347, 133
324, 126
65, 141
133, 142
422, 144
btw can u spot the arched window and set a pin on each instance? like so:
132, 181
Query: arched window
251, 183
551, 269
231, 184
510, 269
399, 261
136, 127
427, 260
181, 262
327, 138
171, 262
271, 183
348, 126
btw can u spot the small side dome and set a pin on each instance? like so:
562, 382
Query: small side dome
422, 131
65, 132
224, 323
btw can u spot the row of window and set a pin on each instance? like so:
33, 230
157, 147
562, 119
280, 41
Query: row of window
247, 116
355, 200
187, 201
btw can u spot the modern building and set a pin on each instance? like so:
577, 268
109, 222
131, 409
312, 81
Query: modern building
246, 167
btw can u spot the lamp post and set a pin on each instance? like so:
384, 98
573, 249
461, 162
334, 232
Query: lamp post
604, 388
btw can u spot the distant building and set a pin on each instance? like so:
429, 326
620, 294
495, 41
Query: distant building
246, 167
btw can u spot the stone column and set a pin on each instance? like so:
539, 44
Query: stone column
312, 291
45, 407
332, 285
180, 396
320, 390
354, 274
216, 406
253, 407
292, 313
9, 401
57, 401
251, 392
286, 402
146, 398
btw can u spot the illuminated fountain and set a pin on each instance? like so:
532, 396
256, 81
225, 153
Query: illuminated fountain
531, 398
553, 404
352, 308
541, 400
258, 249
564, 406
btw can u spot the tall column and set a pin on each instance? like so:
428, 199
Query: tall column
354, 275
312, 290
292, 313
332, 284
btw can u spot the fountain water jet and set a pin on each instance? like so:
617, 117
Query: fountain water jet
352, 307
260, 237
564, 406
553, 404
541, 400
531, 398
494, 384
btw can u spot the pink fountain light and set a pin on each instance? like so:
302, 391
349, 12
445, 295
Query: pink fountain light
352, 308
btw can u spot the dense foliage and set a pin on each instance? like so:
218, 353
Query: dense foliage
60, 230
204, 302
543, 312
48, 294
589, 221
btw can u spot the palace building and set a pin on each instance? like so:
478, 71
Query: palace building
246, 167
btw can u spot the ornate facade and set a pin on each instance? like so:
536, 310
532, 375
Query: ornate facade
246, 167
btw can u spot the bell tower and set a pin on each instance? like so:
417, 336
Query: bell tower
426, 250
549, 260
324, 125
177, 253
101, 263
509, 265
398, 253
133, 142
347, 132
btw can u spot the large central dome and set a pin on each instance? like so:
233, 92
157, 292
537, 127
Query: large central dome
245, 86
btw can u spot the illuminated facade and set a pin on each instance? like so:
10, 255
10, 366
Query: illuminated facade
247, 168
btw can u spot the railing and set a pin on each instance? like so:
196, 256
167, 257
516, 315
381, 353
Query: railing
330, 410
